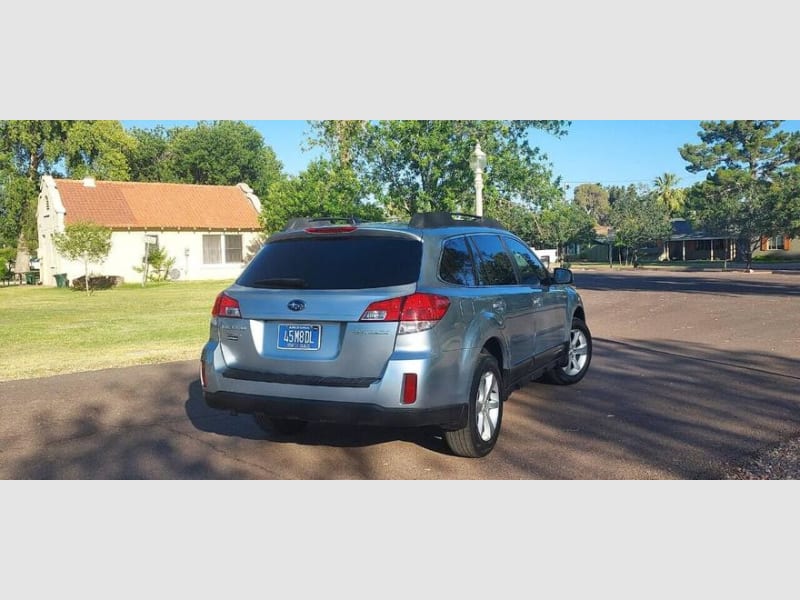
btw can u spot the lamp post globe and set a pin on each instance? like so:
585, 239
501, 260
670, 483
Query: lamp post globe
477, 162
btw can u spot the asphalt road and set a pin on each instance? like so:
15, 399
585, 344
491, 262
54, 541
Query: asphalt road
692, 373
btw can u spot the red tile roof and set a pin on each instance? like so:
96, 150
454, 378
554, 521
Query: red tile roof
132, 205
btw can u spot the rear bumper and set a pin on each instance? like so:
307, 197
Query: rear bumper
351, 413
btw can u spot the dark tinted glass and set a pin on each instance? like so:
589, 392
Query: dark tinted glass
456, 265
340, 263
531, 270
494, 264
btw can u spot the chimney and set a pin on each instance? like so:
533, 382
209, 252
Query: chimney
88, 182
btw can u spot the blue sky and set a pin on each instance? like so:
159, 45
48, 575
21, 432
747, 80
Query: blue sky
607, 152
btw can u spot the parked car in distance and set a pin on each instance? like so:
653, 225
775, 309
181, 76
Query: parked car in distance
433, 322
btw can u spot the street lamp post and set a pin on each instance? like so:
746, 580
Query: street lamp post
477, 161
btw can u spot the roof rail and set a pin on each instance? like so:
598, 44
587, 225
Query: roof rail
432, 220
303, 222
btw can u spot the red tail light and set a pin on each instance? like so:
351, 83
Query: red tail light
225, 306
417, 312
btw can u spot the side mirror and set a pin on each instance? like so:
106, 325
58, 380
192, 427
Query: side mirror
562, 276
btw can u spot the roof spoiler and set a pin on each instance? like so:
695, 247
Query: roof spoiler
432, 220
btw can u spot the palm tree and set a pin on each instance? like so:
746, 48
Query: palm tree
668, 194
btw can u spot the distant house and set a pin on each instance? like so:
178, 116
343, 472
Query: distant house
209, 230
686, 243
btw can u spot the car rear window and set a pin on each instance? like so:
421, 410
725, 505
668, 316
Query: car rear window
335, 263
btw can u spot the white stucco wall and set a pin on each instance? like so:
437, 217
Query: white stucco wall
127, 250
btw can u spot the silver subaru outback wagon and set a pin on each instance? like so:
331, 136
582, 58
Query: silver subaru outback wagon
430, 323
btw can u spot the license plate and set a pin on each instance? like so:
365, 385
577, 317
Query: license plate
299, 337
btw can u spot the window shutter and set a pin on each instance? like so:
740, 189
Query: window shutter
787, 242
764, 243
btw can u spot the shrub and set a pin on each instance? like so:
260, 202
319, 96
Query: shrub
97, 282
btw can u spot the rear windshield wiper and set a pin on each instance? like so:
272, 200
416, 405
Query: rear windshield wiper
281, 282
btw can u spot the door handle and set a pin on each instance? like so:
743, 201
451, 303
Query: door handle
499, 305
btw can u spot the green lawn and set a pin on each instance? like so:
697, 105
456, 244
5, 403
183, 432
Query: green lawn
46, 331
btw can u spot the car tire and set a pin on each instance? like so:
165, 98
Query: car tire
484, 414
579, 356
283, 426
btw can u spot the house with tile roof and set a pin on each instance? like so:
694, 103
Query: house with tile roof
210, 230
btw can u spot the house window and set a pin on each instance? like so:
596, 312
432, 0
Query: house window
233, 248
216, 246
212, 249
775, 243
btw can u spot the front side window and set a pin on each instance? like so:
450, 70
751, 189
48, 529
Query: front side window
494, 264
531, 270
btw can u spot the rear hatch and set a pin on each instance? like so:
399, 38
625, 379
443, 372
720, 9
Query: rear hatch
301, 302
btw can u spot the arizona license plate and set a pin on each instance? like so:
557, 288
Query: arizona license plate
299, 337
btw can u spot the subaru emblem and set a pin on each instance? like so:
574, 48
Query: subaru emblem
296, 305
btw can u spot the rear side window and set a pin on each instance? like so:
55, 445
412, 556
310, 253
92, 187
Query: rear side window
334, 263
456, 265
494, 264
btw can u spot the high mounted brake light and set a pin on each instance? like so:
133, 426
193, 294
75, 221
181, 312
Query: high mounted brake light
337, 229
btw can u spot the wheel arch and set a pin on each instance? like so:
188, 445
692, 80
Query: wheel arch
579, 314
495, 348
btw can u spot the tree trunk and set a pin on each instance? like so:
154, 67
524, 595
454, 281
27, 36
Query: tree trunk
86, 275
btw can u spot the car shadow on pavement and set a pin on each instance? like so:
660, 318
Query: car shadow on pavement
223, 423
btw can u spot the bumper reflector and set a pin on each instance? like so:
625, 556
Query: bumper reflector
409, 388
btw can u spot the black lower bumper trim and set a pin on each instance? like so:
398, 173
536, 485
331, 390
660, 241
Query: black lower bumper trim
448, 417
354, 382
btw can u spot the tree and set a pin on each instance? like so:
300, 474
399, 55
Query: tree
750, 166
638, 219
593, 198
323, 189
28, 150
158, 264
342, 139
151, 158
86, 242
98, 149
563, 223
668, 194
517, 217
218, 153
417, 166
